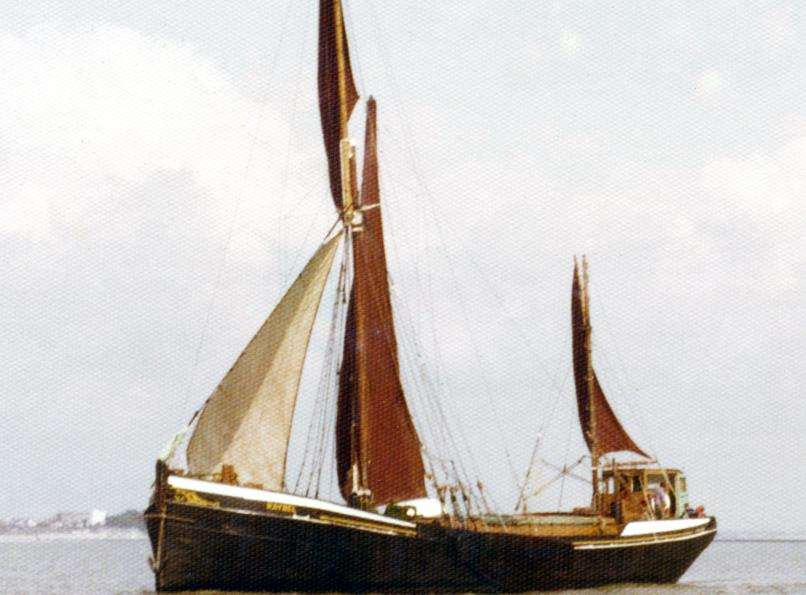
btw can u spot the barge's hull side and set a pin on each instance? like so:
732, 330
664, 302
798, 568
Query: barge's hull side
199, 547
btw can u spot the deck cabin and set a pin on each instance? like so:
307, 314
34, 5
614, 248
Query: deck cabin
630, 492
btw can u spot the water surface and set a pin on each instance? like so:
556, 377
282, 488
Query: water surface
121, 566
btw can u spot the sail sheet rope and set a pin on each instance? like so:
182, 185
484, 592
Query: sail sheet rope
285, 175
337, 98
443, 449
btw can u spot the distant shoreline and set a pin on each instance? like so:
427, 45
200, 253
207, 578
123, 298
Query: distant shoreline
761, 540
105, 533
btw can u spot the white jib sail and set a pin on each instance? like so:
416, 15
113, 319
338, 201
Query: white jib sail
247, 420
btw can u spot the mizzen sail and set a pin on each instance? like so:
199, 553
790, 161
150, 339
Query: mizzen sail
337, 93
247, 420
601, 428
376, 438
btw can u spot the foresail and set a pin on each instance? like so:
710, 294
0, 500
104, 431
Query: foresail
601, 428
337, 93
247, 420
375, 433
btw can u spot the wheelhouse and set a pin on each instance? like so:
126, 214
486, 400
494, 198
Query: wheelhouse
631, 492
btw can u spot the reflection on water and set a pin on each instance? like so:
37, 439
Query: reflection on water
120, 565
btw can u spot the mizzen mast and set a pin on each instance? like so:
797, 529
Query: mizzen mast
601, 428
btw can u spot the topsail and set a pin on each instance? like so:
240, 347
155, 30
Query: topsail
337, 94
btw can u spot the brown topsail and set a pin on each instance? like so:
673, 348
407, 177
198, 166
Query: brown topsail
228, 518
337, 98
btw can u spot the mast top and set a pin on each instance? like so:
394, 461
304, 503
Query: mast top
337, 98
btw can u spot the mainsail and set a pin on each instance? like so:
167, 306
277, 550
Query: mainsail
247, 420
376, 438
601, 428
337, 94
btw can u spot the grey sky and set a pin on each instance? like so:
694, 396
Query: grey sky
161, 172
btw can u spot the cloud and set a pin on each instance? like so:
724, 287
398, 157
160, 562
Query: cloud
779, 27
710, 85
762, 193
91, 117
765, 185
571, 43
125, 158
26, 213
126, 155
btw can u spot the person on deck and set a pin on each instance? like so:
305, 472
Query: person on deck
662, 502
622, 502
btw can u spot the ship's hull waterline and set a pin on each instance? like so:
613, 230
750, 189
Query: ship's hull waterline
218, 540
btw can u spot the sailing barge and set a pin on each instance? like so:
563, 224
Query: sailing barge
229, 521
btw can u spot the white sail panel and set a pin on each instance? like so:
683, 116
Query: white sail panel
246, 422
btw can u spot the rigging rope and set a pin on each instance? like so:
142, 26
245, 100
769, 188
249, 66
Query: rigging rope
565, 459
231, 226
319, 428
430, 204
286, 171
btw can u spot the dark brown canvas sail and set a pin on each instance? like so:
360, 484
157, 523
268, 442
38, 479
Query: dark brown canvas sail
375, 429
337, 94
601, 428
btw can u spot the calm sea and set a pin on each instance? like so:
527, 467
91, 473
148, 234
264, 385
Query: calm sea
120, 566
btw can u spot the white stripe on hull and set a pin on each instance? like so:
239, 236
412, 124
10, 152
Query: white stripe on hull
656, 541
255, 495
656, 527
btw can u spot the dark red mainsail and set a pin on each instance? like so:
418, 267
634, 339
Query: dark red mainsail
375, 433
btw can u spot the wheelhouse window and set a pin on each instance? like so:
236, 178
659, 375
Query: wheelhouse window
636, 484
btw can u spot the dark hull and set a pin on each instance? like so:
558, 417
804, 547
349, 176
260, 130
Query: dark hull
215, 548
